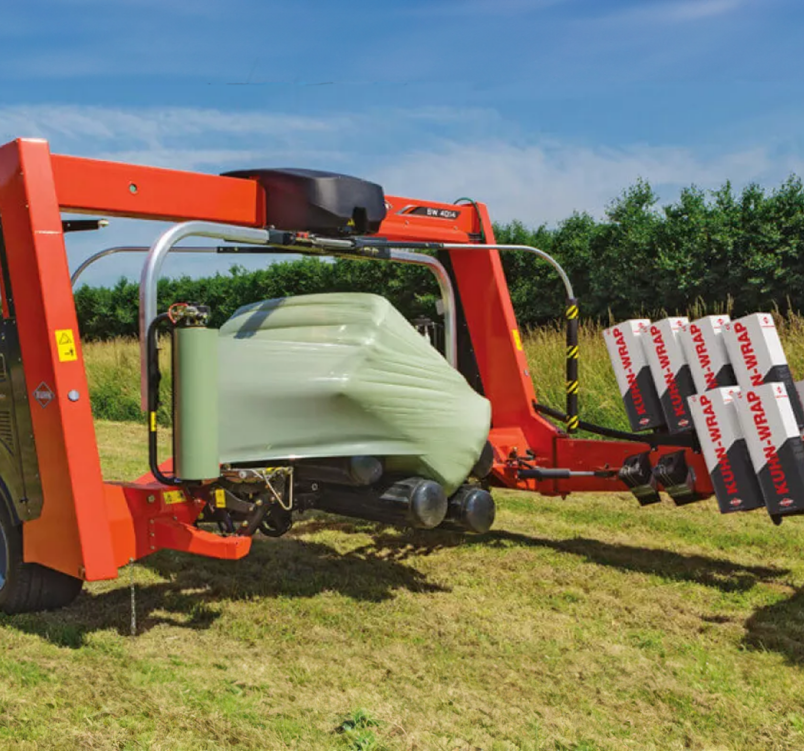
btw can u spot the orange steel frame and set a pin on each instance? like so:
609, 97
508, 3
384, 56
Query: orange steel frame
89, 528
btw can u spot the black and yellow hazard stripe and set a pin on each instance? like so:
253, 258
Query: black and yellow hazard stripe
573, 387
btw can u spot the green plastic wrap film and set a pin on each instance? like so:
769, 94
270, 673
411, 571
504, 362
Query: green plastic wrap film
195, 411
344, 374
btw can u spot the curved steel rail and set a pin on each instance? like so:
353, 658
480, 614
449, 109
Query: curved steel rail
571, 313
133, 249
447, 297
153, 265
536, 251
166, 242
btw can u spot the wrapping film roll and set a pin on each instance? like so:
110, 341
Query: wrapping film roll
195, 437
344, 374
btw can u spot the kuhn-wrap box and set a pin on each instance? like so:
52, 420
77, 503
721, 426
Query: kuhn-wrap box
705, 350
757, 357
775, 445
671, 373
633, 374
725, 451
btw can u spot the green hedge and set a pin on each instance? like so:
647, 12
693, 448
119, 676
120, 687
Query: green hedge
742, 251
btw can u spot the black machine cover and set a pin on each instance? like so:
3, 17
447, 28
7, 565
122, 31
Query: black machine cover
323, 203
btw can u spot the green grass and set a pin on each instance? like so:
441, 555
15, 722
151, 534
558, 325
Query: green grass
113, 372
583, 624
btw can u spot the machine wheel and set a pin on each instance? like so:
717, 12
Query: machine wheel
29, 587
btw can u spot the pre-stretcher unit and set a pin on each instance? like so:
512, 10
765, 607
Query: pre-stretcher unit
373, 448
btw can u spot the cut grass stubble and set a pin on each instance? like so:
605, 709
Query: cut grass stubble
584, 624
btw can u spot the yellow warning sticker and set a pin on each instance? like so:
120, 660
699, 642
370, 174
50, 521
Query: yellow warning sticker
172, 496
517, 339
220, 498
65, 344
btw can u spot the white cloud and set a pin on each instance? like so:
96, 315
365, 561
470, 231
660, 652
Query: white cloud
216, 160
149, 125
547, 182
426, 153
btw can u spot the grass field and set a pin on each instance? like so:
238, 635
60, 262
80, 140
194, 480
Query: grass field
584, 624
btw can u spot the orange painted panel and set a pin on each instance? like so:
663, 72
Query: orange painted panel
72, 533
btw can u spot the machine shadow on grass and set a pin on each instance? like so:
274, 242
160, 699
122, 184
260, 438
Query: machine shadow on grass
722, 574
195, 586
295, 567
779, 628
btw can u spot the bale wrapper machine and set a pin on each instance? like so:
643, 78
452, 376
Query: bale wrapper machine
329, 402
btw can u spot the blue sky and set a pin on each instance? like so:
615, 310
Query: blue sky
537, 107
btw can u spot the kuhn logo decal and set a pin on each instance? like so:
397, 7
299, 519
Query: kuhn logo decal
43, 394
676, 400
774, 465
630, 376
716, 439
749, 356
704, 357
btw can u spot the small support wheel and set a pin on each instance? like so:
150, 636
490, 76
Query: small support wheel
29, 587
277, 522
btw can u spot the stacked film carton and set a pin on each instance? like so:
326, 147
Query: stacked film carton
729, 380
770, 411
725, 450
652, 373
714, 412
631, 369
703, 345
671, 372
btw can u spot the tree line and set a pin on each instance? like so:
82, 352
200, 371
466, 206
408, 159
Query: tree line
715, 250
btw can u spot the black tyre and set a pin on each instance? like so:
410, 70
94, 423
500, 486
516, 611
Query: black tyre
29, 587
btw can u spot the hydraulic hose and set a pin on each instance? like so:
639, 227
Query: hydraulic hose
654, 440
154, 378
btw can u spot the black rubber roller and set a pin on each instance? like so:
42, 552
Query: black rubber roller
414, 502
484, 463
471, 509
425, 500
